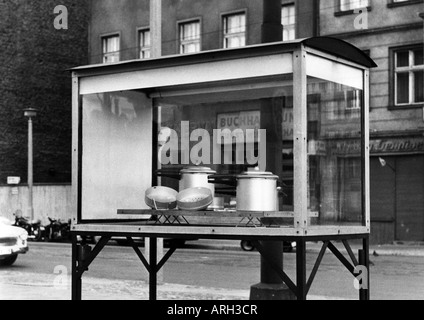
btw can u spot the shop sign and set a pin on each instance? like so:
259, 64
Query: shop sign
379, 146
242, 120
13, 180
345, 147
397, 145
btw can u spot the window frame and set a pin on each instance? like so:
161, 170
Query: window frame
180, 24
222, 26
295, 20
339, 12
395, 4
103, 37
394, 70
141, 49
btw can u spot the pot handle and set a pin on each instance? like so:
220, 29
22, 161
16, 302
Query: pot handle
168, 174
228, 179
225, 191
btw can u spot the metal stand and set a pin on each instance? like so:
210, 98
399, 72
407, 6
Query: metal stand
83, 256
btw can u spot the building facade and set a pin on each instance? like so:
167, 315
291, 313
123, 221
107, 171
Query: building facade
35, 56
120, 30
391, 31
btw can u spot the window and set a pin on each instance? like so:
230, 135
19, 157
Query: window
234, 27
288, 20
347, 5
189, 36
110, 49
399, 3
408, 75
144, 43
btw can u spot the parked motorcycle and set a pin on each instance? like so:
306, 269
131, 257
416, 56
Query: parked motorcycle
34, 228
58, 230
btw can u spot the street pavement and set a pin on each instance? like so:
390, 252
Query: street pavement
16, 285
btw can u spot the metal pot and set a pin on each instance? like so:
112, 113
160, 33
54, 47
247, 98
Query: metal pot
256, 190
191, 177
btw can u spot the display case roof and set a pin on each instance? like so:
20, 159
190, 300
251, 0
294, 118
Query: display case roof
336, 47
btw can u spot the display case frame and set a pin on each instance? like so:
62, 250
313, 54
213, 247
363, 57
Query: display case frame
297, 58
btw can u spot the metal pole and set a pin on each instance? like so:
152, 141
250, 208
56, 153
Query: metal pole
301, 269
271, 286
156, 52
153, 270
30, 170
364, 260
76, 275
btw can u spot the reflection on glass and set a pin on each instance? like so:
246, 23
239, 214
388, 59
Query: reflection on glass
402, 87
116, 149
334, 152
239, 110
419, 86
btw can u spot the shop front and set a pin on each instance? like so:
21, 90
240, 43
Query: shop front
279, 130
397, 188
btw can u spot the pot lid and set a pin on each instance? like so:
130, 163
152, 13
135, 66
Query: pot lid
257, 174
197, 169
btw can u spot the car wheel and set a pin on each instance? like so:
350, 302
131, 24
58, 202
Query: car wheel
8, 261
246, 245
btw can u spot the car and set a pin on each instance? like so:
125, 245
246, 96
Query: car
13, 241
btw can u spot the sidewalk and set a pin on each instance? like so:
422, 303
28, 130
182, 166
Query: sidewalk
396, 249
33, 286
16, 285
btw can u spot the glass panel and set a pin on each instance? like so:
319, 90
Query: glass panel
116, 139
235, 23
402, 83
234, 31
235, 41
190, 37
346, 5
418, 57
288, 20
144, 44
111, 49
220, 126
334, 153
402, 59
419, 86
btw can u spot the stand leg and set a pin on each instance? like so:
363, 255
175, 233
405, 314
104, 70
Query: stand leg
76, 276
153, 270
301, 269
364, 292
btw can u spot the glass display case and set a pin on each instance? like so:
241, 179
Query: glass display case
293, 112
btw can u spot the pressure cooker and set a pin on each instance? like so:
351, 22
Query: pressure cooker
190, 177
256, 190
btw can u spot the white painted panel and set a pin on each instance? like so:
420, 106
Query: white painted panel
117, 154
187, 74
335, 72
